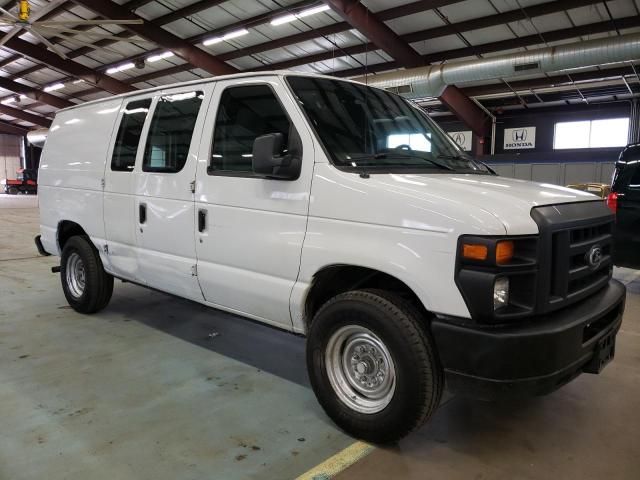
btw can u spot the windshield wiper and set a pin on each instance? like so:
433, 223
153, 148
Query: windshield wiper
470, 160
393, 155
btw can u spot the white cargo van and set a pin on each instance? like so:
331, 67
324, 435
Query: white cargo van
341, 212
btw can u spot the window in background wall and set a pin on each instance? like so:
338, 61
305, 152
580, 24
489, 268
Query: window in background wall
417, 141
611, 132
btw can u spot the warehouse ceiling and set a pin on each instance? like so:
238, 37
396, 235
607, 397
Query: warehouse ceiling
183, 40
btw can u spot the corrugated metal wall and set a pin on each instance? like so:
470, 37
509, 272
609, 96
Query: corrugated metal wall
9, 155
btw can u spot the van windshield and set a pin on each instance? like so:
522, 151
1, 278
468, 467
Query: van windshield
368, 128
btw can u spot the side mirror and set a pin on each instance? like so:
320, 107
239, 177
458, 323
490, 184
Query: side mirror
267, 160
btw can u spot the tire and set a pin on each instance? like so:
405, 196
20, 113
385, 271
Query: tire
87, 287
396, 331
13, 191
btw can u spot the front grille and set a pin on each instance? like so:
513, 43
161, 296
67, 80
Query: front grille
569, 235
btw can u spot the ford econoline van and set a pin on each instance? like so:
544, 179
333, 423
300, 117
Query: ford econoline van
344, 213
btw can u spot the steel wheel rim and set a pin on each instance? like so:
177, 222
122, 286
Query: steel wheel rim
360, 369
75, 275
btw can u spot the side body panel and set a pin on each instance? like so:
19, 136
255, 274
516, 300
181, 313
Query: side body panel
249, 253
389, 227
71, 171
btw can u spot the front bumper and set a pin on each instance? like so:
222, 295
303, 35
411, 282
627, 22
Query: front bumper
531, 357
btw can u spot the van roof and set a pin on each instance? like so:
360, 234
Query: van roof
205, 80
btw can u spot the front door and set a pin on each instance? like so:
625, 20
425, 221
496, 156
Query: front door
164, 210
251, 228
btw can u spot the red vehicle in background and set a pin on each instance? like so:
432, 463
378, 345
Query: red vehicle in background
26, 182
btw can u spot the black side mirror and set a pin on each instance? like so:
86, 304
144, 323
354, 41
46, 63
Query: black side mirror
267, 160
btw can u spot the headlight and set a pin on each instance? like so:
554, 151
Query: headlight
500, 293
497, 276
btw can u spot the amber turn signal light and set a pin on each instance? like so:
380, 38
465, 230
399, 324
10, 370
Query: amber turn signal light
472, 251
504, 252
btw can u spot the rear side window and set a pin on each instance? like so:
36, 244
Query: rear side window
244, 114
129, 132
171, 131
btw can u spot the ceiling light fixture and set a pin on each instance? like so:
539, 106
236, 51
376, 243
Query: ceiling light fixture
53, 87
161, 56
9, 100
304, 13
120, 68
225, 37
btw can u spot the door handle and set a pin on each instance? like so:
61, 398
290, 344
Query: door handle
142, 213
202, 220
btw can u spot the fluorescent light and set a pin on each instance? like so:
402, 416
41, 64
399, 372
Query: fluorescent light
120, 68
225, 37
9, 100
282, 20
161, 56
312, 11
55, 86
76, 82
304, 13
235, 34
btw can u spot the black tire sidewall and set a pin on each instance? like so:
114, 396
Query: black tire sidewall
94, 291
410, 396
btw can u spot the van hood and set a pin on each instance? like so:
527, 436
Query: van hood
438, 202
508, 199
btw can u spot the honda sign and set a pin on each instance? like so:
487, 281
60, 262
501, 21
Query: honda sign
519, 138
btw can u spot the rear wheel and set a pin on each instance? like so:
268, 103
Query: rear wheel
373, 365
87, 287
13, 190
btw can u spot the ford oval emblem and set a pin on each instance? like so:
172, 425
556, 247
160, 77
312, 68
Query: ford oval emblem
594, 256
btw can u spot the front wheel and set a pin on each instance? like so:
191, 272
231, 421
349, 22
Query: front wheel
373, 365
87, 287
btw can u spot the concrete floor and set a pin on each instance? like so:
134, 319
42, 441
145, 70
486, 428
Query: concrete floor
143, 391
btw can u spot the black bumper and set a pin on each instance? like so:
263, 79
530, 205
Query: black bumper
533, 357
39, 246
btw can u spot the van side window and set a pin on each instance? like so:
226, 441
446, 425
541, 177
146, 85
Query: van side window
171, 131
244, 114
123, 158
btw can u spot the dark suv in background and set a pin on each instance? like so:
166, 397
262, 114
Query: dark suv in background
624, 200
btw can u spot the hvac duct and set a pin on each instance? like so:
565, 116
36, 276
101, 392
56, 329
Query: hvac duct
431, 81
37, 137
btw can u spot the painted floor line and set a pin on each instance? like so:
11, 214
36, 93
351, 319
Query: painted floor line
339, 462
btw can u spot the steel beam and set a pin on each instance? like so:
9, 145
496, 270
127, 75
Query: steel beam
125, 34
26, 116
466, 110
40, 54
360, 18
387, 14
13, 129
190, 53
34, 94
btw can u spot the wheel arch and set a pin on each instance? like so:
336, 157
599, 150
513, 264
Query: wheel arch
332, 280
67, 229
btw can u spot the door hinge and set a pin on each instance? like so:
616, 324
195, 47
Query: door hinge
194, 270
102, 182
192, 186
106, 249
